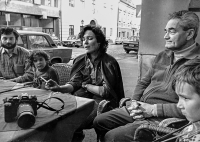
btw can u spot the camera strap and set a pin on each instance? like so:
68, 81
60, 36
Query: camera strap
46, 106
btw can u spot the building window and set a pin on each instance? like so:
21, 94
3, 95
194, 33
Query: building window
93, 2
104, 5
55, 3
110, 31
123, 34
71, 29
46, 2
29, 1
127, 34
72, 3
104, 31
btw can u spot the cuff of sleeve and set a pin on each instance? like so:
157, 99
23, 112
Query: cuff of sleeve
160, 110
155, 112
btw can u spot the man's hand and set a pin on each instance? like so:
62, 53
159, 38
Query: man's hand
148, 110
134, 110
139, 110
51, 85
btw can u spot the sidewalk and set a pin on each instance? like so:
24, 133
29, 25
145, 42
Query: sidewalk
129, 70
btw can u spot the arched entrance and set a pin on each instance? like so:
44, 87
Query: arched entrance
92, 22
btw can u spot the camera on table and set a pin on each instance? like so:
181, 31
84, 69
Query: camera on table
22, 108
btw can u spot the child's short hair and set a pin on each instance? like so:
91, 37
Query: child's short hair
40, 53
189, 72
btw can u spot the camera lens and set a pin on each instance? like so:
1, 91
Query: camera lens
26, 117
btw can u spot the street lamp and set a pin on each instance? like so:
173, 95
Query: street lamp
82, 22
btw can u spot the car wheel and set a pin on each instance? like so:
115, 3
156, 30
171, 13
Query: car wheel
127, 51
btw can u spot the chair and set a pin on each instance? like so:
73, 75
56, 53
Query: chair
63, 71
165, 127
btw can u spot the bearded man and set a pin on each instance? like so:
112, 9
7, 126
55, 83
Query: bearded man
14, 63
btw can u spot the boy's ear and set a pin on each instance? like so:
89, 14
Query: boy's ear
190, 33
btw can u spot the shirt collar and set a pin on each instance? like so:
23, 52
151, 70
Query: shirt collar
187, 53
97, 59
14, 51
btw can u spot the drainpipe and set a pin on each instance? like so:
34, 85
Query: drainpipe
117, 19
61, 19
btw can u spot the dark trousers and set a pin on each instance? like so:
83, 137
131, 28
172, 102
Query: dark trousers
117, 126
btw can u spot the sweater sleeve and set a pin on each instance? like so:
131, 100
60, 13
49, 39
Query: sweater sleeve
169, 110
28, 75
53, 75
142, 85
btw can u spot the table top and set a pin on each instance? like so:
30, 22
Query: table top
72, 104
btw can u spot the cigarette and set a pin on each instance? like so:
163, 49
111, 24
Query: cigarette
43, 79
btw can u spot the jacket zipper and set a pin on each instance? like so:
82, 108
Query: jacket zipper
171, 69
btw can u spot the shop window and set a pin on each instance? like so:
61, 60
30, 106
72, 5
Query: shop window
71, 29
15, 19
30, 21
72, 3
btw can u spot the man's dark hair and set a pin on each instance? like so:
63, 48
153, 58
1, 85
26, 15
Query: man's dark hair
99, 36
36, 53
188, 20
8, 31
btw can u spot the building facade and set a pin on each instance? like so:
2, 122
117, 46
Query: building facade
116, 17
35, 15
127, 23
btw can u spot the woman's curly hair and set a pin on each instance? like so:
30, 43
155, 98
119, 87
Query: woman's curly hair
99, 36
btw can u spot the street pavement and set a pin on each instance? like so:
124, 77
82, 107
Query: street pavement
129, 69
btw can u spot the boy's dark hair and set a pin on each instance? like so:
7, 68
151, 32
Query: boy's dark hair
40, 53
99, 36
189, 72
8, 31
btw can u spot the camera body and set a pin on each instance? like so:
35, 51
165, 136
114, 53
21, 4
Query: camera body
22, 108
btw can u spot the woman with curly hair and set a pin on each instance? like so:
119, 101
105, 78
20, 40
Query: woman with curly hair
95, 74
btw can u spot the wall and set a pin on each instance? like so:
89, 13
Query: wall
154, 16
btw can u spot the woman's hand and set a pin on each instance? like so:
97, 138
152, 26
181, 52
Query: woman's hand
51, 85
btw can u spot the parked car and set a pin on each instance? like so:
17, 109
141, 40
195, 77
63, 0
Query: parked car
118, 40
132, 44
73, 41
109, 40
56, 40
38, 40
